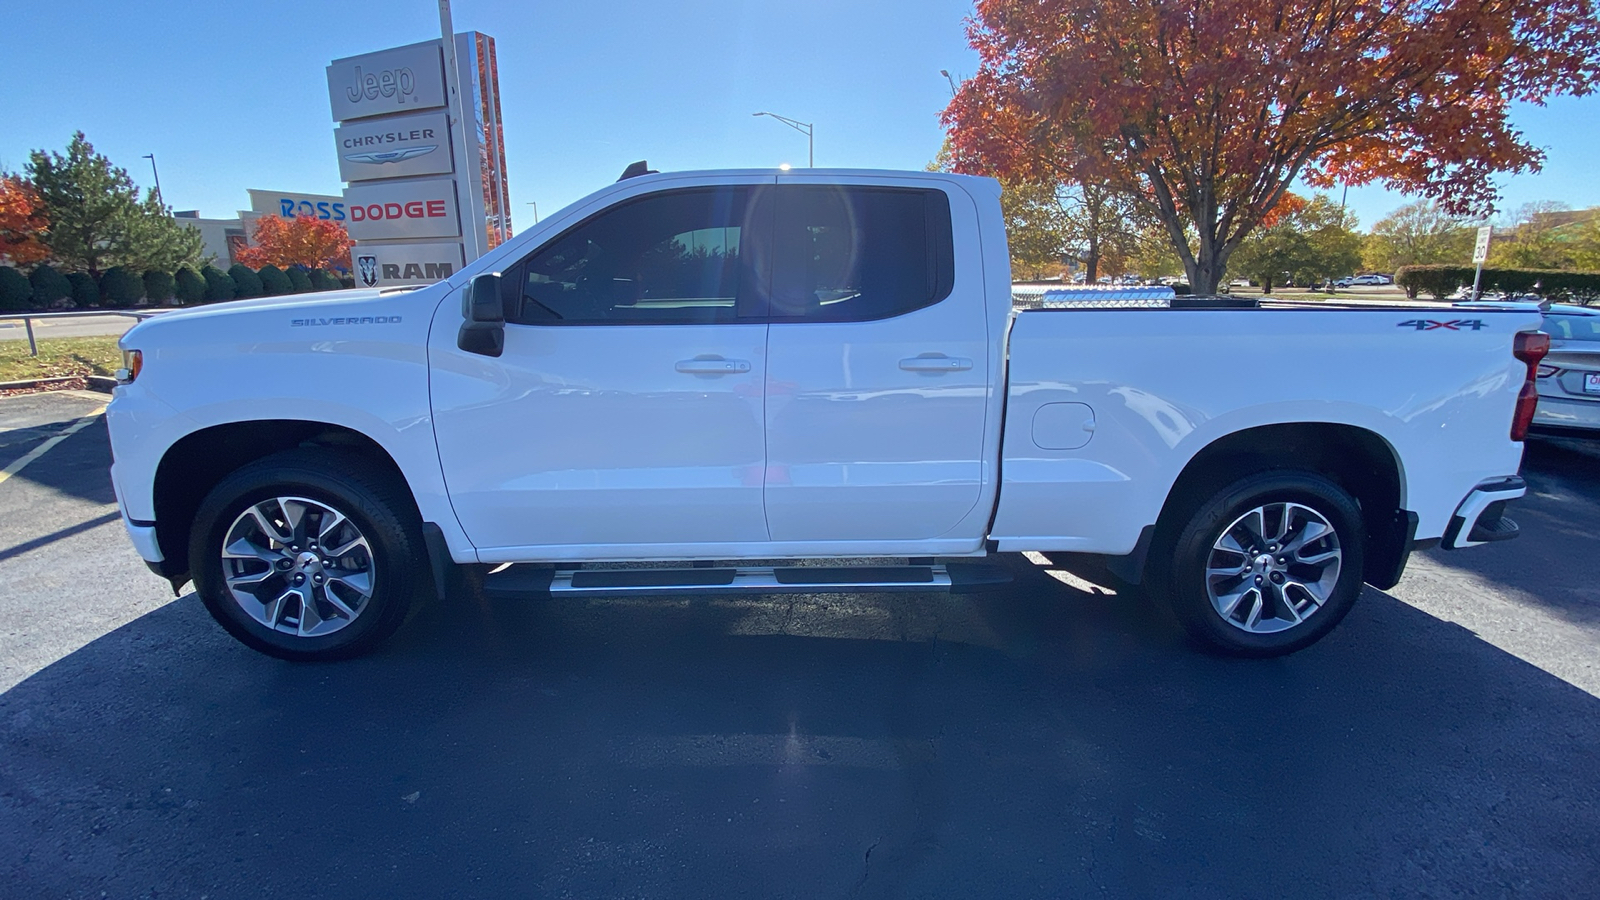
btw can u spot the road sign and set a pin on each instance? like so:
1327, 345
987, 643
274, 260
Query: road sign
1480, 250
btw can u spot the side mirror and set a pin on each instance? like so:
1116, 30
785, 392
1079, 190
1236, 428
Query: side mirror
484, 331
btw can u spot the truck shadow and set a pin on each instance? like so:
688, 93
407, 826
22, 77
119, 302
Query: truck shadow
1039, 741
1552, 562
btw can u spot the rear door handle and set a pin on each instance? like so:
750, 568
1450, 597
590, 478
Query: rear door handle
936, 364
713, 366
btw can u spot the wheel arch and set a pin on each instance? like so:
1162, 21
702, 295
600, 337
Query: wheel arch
196, 462
1358, 459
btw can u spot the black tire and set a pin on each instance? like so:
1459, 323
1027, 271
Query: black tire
1181, 571
381, 509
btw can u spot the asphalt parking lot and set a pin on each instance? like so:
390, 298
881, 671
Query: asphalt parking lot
1043, 741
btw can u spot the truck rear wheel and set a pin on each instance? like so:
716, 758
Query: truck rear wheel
307, 555
1267, 565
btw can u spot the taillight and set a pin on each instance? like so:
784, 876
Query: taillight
1530, 347
1547, 371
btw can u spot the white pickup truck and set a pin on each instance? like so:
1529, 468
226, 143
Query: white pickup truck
733, 375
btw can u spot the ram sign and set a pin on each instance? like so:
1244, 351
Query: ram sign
402, 209
400, 79
394, 147
388, 265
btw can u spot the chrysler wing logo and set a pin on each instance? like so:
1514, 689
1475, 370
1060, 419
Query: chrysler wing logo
389, 156
369, 269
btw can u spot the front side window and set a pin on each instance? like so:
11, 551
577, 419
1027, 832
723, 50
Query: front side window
859, 253
673, 257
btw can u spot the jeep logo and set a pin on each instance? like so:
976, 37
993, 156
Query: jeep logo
387, 83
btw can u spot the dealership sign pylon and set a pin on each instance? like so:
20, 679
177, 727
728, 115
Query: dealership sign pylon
422, 198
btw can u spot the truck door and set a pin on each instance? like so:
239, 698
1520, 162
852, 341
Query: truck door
877, 365
625, 414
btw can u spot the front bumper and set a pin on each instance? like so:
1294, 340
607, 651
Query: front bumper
1480, 519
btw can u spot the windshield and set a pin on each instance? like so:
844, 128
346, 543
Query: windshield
1573, 328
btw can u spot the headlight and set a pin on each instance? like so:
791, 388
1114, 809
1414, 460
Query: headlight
132, 362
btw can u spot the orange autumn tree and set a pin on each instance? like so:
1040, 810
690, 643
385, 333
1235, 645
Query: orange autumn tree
1206, 111
303, 241
23, 224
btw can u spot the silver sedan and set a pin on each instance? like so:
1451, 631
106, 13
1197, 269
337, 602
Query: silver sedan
1569, 378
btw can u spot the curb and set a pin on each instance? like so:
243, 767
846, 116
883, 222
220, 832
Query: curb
99, 383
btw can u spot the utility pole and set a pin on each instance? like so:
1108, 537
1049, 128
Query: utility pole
157, 174
804, 128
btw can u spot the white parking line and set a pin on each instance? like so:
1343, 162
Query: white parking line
45, 447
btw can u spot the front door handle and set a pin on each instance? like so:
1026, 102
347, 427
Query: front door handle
936, 364
713, 366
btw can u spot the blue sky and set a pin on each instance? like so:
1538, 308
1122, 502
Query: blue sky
230, 96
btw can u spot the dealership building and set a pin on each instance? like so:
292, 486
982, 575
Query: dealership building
225, 237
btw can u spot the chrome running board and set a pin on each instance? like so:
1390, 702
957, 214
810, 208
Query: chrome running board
523, 580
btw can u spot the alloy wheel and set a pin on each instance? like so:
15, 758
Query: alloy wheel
298, 566
1273, 567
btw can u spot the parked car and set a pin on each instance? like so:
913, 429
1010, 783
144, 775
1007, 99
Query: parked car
615, 385
1569, 378
1345, 281
1370, 280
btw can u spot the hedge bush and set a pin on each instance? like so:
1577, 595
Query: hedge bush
323, 280
1554, 284
85, 291
245, 281
120, 288
158, 286
298, 280
219, 285
274, 282
188, 287
15, 290
48, 286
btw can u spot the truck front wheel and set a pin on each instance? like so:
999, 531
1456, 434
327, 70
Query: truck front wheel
307, 555
1267, 565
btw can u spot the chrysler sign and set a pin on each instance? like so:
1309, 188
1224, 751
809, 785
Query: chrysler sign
406, 209
389, 81
394, 147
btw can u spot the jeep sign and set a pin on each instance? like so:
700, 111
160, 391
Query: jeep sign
406, 209
398, 80
388, 265
394, 147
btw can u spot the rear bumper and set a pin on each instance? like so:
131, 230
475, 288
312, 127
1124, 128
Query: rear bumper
1560, 412
1480, 519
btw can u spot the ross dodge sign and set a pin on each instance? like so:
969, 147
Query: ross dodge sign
394, 147
404, 209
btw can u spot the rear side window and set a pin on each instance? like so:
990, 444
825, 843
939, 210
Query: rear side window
852, 254
668, 258
1573, 328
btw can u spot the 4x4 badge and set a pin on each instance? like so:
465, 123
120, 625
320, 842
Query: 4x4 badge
1452, 325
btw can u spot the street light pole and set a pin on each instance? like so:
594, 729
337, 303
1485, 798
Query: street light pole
535, 205
804, 128
157, 174
950, 78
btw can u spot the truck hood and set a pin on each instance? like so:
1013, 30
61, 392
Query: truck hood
290, 308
